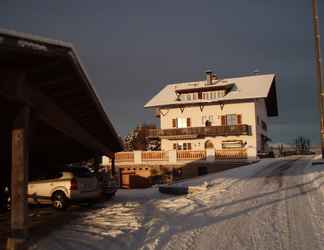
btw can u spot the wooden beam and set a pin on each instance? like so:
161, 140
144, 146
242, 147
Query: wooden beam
19, 180
49, 112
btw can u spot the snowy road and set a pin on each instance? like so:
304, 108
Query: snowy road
274, 204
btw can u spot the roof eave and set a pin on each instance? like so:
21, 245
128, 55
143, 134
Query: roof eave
272, 101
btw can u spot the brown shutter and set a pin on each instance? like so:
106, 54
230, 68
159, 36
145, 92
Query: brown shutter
174, 123
174, 146
199, 95
188, 122
223, 120
239, 119
189, 146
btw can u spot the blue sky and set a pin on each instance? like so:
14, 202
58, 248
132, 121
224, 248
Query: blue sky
133, 48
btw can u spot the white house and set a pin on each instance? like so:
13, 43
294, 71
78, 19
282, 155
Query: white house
223, 114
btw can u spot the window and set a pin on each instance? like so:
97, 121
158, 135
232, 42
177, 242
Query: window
189, 97
182, 146
195, 96
232, 144
231, 119
207, 120
181, 123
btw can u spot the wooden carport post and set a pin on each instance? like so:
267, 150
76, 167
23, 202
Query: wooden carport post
113, 166
19, 180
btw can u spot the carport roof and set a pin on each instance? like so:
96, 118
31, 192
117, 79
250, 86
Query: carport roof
55, 69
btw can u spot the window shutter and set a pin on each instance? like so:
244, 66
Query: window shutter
189, 146
188, 122
174, 146
223, 120
239, 119
174, 123
199, 95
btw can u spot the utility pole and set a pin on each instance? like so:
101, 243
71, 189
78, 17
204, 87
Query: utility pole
319, 71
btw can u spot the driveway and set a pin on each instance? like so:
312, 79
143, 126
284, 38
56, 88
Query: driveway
273, 204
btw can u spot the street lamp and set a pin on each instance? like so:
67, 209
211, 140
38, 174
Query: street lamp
319, 71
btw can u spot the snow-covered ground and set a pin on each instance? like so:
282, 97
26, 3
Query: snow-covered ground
147, 219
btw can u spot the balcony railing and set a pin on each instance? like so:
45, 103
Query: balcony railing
191, 155
124, 156
178, 156
155, 156
231, 154
199, 132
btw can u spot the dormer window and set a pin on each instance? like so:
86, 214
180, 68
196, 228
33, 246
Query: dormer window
206, 95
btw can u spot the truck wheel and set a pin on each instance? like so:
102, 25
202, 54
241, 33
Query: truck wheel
59, 200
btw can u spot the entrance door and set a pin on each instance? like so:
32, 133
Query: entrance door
209, 144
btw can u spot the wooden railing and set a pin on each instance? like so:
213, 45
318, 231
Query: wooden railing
124, 157
195, 132
191, 155
162, 157
227, 154
155, 156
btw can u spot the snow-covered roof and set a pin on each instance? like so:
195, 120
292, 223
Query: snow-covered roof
247, 87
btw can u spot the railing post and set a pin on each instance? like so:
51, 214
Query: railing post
172, 156
210, 154
138, 157
251, 152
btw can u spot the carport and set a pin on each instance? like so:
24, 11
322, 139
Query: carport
50, 115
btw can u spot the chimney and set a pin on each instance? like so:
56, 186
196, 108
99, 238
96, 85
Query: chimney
209, 77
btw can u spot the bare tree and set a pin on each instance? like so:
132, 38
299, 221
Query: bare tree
302, 145
137, 139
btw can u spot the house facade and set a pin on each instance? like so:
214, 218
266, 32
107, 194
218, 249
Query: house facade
221, 114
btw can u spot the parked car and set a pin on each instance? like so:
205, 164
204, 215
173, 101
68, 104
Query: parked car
69, 185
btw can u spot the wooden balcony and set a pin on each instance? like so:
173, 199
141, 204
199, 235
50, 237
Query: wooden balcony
199, 132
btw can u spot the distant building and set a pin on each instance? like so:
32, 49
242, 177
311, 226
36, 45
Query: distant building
223, 114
